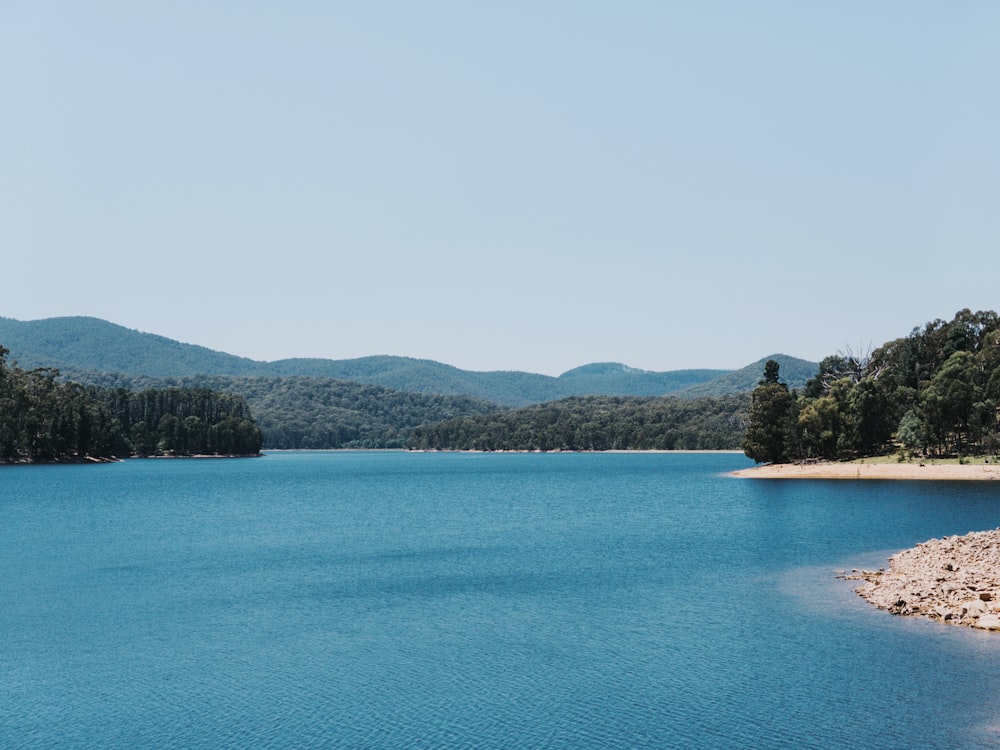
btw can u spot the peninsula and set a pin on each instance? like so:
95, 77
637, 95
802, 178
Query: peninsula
955, 580
930, 398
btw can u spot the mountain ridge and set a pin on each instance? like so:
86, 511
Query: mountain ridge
82, 343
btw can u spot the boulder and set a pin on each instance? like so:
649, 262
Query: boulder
987, 622
975, 608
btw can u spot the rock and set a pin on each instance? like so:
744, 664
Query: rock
987, 622
975, 608
955, 580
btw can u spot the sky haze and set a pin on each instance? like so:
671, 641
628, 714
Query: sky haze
527, 186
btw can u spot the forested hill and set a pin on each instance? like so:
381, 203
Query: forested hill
511, 388
597, 423
83, 344
303, 412
80, 343
794, 373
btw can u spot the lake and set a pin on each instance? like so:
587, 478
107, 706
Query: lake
449, 600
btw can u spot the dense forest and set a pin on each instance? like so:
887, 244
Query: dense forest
299, 412
597, 423
935, 392
42, 419
320, 413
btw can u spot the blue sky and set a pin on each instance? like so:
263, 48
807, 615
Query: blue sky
518, 185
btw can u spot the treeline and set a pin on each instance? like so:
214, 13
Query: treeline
307, 412
43, 419
597, 423
303, 412
935, 392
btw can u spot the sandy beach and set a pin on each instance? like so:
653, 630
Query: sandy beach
940, 472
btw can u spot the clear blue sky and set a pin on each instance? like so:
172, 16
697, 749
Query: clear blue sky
515, 185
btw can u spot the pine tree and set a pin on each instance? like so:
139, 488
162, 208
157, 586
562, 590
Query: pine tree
765, 439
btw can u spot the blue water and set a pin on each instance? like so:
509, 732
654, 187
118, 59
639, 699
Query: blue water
383, 600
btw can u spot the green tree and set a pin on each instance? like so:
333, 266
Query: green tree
949, 398
869, 417
911, 432
766, 436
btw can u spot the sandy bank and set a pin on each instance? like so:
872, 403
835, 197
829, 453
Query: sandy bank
954, 580
872, 471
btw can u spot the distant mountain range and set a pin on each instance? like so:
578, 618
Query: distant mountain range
84, 345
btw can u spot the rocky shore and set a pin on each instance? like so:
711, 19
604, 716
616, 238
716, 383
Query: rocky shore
955, 580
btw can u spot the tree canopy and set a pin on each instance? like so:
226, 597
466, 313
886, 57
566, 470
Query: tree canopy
305, 412
596, 423
935, 392
43, 419
769, 404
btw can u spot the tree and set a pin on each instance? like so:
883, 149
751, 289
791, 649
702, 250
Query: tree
949, 398
911, 432
868, 416
44, 419
771, 369
766, 436
819, 424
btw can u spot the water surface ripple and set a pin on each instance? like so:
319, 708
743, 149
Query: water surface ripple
396, 600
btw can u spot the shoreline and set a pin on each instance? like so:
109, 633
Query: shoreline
903, 471
953, 580
733, 451
613, 451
